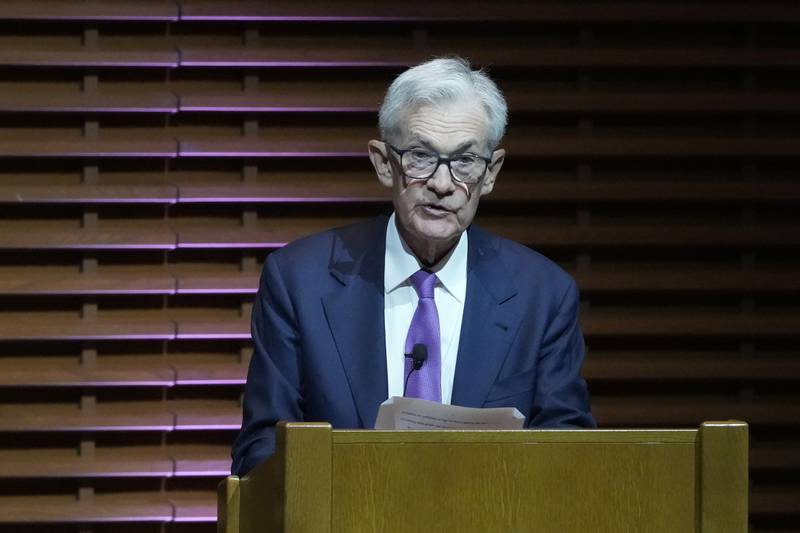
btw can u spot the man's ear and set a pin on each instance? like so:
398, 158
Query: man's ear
380, 160
492, 170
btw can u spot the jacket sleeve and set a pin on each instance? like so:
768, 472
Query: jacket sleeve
273, 389
561, 399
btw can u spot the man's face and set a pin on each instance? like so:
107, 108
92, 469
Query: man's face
435, 212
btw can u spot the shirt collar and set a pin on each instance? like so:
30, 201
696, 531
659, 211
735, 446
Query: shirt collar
401, 264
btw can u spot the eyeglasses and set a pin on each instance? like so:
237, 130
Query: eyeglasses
421, 164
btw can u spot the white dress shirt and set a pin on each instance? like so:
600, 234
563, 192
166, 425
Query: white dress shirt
400, 302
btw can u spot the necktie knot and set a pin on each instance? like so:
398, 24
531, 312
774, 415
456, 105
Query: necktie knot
424, 282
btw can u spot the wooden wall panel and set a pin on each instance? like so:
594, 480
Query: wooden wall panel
153, 152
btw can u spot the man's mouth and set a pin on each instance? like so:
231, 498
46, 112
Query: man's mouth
435, 210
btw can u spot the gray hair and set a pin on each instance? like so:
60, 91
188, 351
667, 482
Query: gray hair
443, 80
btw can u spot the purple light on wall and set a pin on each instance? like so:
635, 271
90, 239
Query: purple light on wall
290, 64
86, 292
106, 383
238, 290
211, 516
95, 337
239, 153
231, 245
107, 427
223, 381
213, 336
211, 472
97, 246
282, 199
307, 18
278, 109
116, 200
204, 427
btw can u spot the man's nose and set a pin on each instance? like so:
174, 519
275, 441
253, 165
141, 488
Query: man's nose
441, 182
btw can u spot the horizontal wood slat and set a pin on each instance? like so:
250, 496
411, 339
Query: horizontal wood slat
218, 283
674, 235
668, 235
96, 10
203, 460
218, 324
284, 97
127, 416
70, 280
204, 369
122, 280
119, 507
283, 142
51, 145
85, 57
660, 102
108, 325
179, 460
698, 325
317, 11
25, 144
775, 500
203, 10
149, 280
322, 54
206, 414
20, 99
361, 187
683, 146
198, 506
194, 506
775, 457
88, 194
668, 367
159, 371
212, 324
122, 371
358, 98
337, 143
138, 461
686, 281
182, 460
141, 370
604, 191
190, 415
635, 412
339, 54
118, 238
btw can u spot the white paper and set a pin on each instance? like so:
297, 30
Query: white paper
411, 413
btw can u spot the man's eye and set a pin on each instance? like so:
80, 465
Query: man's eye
464, 160
420, 155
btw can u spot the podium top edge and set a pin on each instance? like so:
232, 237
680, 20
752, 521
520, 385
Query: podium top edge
526, 436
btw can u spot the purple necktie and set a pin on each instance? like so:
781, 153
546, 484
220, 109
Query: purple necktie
425, 383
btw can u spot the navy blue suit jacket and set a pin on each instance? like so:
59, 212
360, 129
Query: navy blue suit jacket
319, 346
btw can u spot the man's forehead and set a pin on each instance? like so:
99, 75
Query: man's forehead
460, 124
453, 144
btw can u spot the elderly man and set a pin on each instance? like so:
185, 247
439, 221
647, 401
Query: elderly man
338, 313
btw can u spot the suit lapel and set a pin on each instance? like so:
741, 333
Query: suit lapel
487, 327
355, 314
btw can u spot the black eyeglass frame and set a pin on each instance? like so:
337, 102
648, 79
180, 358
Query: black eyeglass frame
439, 160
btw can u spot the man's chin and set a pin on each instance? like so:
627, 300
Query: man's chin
437, 230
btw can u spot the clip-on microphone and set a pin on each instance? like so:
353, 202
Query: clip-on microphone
419, 354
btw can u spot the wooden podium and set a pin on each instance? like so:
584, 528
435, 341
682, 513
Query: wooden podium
562, 481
